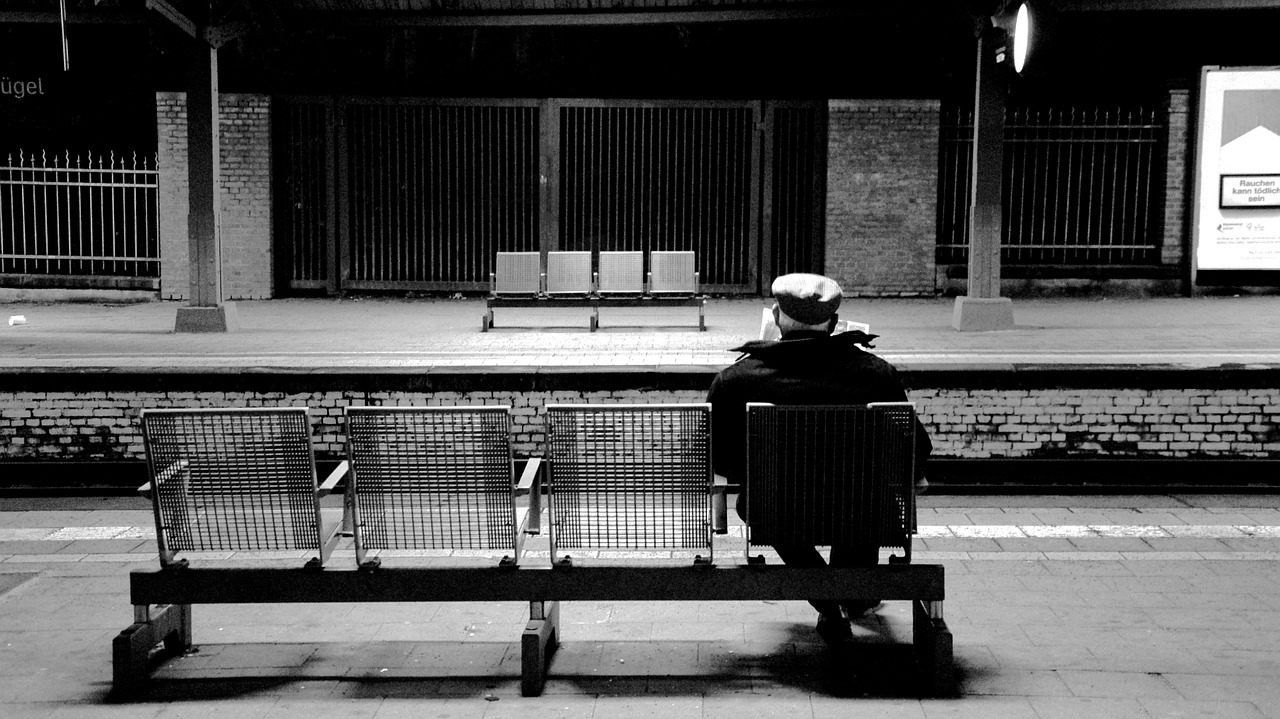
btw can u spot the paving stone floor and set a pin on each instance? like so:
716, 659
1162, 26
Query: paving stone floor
1119, 606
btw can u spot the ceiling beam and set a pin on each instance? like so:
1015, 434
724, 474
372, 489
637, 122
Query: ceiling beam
96, 17
569, 19
175, 16
1161, 5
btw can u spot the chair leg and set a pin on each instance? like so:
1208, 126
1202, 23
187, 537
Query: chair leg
539, 642
131, 648
932, 641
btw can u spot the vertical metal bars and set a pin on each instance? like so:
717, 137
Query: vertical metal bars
1081, 186
436, 190
629, 476
665, 177
830, 474
796, 187
304, 178
79, 216
432, 477
234, 479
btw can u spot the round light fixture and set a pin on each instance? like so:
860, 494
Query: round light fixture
1021, 37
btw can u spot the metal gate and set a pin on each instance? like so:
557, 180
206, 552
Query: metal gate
795, 187
397, 194
668, 177
1080, 187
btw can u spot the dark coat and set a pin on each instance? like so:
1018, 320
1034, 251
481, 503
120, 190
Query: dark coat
802, 368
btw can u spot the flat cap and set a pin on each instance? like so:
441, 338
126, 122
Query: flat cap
806, 298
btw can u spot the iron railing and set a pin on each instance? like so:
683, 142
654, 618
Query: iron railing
61, 215
1080, 186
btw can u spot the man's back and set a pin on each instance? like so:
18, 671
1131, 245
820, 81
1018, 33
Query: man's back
804, 368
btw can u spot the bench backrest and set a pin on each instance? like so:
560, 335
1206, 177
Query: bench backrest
431, 477
831, 474
621, 272
569, 273
629, 477
517, 273
232, 479
672, 273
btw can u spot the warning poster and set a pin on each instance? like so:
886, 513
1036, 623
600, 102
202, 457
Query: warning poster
1238, 171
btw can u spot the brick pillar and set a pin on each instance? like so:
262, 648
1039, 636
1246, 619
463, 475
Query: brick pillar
1178, 152
882, 196
246, 195
171, 152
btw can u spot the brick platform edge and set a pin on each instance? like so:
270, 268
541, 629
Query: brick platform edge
1008, 426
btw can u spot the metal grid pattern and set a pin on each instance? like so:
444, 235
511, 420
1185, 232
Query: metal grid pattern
1080, 186
432, 477
830, 475
434, 189
518, 273
305, 208
568, 273
672, 273
629, 476
663, 175
232, 479
621, 273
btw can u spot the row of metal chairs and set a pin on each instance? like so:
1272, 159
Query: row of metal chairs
630, 477
617, 274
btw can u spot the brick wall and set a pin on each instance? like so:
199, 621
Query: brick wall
1178, 153
245, 156
882, 191
86, 426
964, 423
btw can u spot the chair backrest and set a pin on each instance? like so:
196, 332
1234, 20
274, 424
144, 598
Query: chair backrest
569, 273
621, 272
431, 478
517, 273
672, 273
232, 479
831, 474
629, 477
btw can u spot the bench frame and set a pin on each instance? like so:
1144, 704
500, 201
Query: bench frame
162, 600
594, 303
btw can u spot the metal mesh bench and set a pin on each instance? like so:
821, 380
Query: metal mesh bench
825, 475
223, 480
437, 478
618, 281
629, 477
618, 478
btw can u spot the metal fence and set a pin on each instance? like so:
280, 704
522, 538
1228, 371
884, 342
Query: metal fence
435, 190
674, 177
64, 215
1080, 186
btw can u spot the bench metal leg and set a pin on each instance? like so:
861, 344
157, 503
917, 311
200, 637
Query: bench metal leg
486, 321
131, 649
541, 637
932, 641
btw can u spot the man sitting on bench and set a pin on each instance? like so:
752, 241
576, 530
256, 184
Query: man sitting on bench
807, 365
